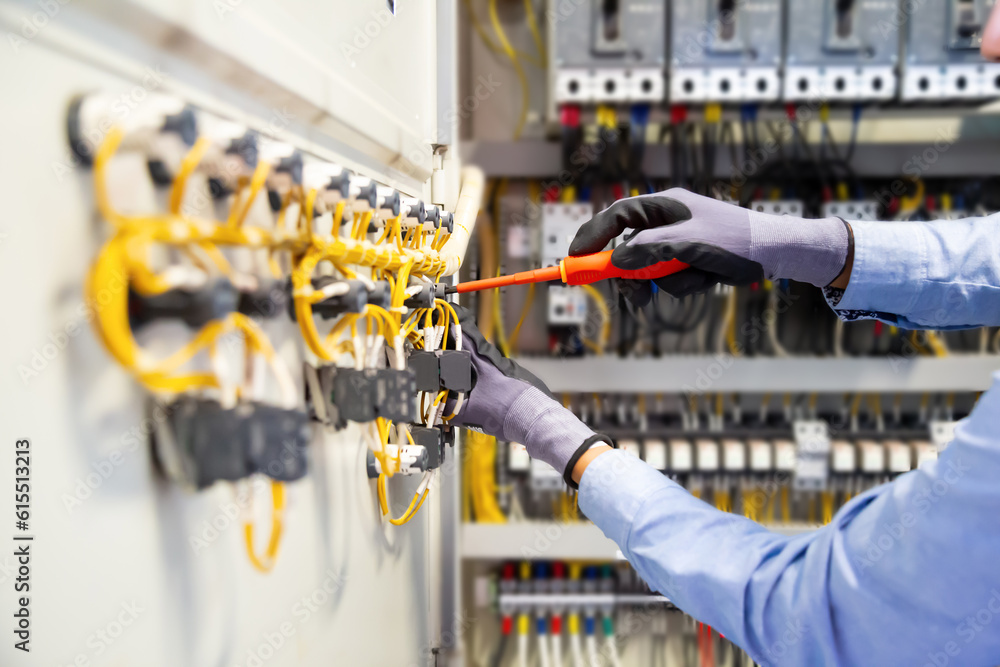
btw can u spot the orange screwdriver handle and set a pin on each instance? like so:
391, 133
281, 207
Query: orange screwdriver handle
588, 269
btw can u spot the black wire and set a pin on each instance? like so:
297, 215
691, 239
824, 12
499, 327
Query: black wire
498, 655
690, 319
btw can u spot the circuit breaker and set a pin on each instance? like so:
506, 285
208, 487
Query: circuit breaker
725, 51
608, 51
942, 59
567, 306
560, 223
841, 50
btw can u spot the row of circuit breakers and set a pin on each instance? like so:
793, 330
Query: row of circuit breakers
875, 457
755, 51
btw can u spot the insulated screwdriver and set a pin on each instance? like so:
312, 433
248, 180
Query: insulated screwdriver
581, 270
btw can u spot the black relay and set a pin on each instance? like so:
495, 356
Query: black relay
199, 442
442, 369
433, 440
363, 395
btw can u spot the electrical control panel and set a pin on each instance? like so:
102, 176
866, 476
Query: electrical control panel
725, 51
841, 50
608, 51
942, 59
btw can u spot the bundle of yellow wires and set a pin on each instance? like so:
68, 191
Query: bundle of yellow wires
479, 480
123, 264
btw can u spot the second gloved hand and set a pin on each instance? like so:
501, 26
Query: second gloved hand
721, 242
508, 402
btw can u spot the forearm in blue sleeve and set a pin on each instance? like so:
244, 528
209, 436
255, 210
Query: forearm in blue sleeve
943, 274
904, 574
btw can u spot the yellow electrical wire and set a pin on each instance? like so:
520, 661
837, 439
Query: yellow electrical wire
786, 506
240, 208
826, 500
525, 309
516, 63
605, 315
532, 21
481, 453
266, 564
123, 262
490, 44
411, 510
734, 348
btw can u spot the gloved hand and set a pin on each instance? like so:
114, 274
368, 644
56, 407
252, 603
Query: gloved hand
508, 402
722, 243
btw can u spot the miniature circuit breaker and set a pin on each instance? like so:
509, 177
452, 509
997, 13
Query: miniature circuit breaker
942, 60
841, 50
725, 51
607, 51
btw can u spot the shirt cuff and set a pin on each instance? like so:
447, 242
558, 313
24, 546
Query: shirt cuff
614, 487
884, 281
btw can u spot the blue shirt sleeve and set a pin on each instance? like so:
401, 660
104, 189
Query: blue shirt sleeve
905, 574
943, 274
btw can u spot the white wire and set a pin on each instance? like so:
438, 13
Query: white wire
592, 651
543, 651
613, 656
556, 643
522, 649
289, 394
338, 288
576, 650
772, 328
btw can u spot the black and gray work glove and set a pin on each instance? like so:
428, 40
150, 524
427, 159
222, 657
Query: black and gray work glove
721, 242
510, 403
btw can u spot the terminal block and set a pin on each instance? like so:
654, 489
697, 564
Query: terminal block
442, 370
412, 459
433, 440
199, 442
363, 395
